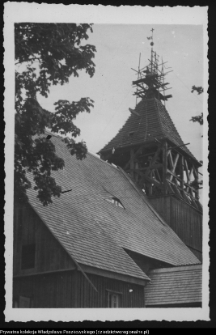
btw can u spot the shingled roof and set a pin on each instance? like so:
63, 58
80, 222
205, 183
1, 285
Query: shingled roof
174, 286
94, 231
153, 122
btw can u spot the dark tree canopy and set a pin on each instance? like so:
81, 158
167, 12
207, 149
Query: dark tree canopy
45, 55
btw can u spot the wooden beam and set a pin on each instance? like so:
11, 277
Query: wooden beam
175, 188
165, 153
181, 186
196, 173
45, 272
191, 171
169, 155
178, 191
174, 167
152, 180
154, 167
154, 159
187, 170
148, 154
170, 187
158, 174
134, 156
182, 171
114, 275
178, 178
132, 160
185, 196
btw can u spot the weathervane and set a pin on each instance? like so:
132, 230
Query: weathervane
150, 79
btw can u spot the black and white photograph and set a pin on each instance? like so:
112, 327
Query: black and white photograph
106, 148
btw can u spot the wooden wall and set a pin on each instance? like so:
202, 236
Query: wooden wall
90, 298
46, 290
71, 289
54, 282
183, 219
49, 254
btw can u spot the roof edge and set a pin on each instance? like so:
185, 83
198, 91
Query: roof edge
115, 275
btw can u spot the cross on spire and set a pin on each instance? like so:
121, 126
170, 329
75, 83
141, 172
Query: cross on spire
152, 33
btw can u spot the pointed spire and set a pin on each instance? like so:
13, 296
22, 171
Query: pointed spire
150, 82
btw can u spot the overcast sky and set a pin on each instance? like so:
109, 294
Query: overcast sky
118, 47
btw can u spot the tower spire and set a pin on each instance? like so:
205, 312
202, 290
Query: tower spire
150, 82
152, 51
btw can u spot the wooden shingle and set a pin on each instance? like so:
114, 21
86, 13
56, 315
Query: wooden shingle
94, 231
174, 286
153, 123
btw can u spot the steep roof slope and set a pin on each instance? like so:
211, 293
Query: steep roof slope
177, 285
94, 230
154, 122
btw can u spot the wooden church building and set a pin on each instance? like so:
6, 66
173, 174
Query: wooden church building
127, 229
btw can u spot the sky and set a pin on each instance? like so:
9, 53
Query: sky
118, 48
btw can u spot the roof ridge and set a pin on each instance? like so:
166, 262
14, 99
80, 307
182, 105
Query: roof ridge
49, 132
101, 160
95, 155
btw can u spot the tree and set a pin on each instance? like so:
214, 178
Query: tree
45, 55
198, 118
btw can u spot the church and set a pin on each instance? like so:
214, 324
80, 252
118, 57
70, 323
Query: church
126, 231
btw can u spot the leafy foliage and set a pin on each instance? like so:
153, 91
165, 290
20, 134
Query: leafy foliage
198, 118
199, 89
45, 55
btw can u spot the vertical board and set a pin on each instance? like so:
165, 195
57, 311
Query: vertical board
103, 285
71, 289
46, 291
49, 254
183, 219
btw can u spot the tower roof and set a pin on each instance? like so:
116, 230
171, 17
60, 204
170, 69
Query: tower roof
149, 122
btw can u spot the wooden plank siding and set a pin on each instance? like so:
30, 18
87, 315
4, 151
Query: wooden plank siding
54, 281
68, 289
183, 219
49, 255
46, 290
90, 298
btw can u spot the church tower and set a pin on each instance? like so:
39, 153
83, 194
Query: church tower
149, 148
